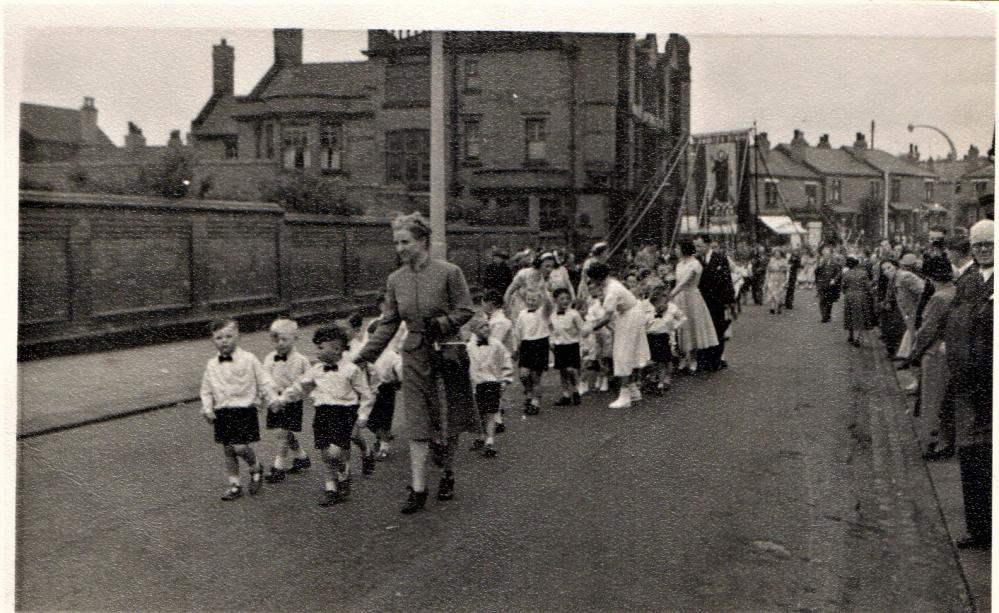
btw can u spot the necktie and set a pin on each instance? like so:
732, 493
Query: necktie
329, 367
225, 358
280, 358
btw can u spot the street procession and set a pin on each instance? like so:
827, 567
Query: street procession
487, 319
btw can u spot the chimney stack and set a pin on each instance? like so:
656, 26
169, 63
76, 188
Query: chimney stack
861, 142
287, 47
175, 142
88, 121
972, 153
134, 139
762, 142
223, 69
798, 145
823, 142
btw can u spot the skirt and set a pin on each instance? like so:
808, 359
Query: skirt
631, 347
858, 312
383, 409
566, 356
698, 332
437, 391
934, 375
659, 348
533, 355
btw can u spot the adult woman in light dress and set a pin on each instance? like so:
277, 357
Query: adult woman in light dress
630, 345
775, 285
536, 277
698, 332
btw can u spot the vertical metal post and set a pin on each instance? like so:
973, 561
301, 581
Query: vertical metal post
438, 157
887, 187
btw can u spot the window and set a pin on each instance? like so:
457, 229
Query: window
407, 156
231, 149
407, 82
896, 189
875, 189
269, 141
957, 187
928, 191
551, 214
295, 153
512, 210
534, 129
811, 194
836, 190
258, 139
770, 192
330, 147
473, 140
981, 187
472, 76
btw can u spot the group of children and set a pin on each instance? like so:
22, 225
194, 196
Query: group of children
351, 401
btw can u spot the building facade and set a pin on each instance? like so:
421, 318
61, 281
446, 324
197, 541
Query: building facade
54, 134
550, 130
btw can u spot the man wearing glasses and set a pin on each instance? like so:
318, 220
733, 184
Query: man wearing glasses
969, 358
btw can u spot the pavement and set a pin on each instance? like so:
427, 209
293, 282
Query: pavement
791, 480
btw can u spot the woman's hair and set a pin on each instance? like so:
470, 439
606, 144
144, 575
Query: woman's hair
777, 252
852, 261
598, 271
559, 291
417, 224
687, 247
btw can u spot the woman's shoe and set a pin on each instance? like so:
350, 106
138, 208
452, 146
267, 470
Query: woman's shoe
415, 502
623, 400
437, 453
445, 490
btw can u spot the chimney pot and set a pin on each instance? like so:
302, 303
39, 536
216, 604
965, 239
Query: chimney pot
287, 46
223, 69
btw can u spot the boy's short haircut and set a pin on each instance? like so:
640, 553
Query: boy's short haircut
493, 297
559, 291
284, 326
218, 324
355, 320
331, 332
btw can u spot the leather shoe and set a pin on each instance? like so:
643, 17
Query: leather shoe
974, 543
445, 491
415, 502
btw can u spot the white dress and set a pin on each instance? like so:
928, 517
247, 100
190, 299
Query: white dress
526, 280
698, 331
630, 346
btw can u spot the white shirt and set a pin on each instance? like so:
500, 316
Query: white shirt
501, 328
986, 273
567, 328
287, 371
387, 368
347, 385
532, 326
489, 363
617, 297
240, 382
668, 322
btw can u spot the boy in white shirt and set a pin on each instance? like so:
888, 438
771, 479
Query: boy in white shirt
285, 365
533, 328
339, 389
666, 320
501, 329
567, 331
233, 383
490, 368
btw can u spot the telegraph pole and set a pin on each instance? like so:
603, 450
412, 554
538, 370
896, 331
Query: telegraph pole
438, 159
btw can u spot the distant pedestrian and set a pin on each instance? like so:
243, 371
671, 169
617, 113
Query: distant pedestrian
285, 365
490, 369
858, 301
497, 275
339, 389
233, 383
775, 287
828, 279
794, 265
758, 269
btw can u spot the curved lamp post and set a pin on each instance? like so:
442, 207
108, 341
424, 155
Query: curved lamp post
953, 149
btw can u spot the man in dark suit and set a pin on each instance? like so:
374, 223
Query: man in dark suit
759, 263
828, 275
969, 358
718, 293
497, 275
794, 265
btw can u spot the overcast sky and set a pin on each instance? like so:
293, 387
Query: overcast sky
803, 70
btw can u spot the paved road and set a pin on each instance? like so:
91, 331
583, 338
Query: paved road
789, 481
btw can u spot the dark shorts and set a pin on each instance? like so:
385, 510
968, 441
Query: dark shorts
333, 425
288, 418
487, 397
659, 348
380, 419
533, 355
236, 426
566, 356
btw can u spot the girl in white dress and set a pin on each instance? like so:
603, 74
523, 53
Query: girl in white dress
698, 331
630, 346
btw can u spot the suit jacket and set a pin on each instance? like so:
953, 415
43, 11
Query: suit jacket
716, 282
828, 277
497, 277
969, 356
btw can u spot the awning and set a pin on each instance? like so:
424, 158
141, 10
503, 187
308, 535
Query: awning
904, 206
689, 225
782, 224
843, 209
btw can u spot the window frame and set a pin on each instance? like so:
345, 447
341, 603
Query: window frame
928, 190
289, 132
410, 149
836, 190
896, 189
812, 200
326, 152
467, 142
535, 137
771, 196
471, 76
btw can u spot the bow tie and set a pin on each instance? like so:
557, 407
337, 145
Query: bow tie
329, 367
225, 358
280, 358
531, 310
482, 342
561, 312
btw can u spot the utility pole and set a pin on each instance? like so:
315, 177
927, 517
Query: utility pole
756, 185
438, 156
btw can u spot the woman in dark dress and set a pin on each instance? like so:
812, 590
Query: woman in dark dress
891, 323
858, 301
432, 297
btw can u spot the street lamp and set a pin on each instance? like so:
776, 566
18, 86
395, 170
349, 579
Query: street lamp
953, 149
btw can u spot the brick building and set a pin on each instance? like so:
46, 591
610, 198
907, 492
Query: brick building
781, 186
543, 128
55, 134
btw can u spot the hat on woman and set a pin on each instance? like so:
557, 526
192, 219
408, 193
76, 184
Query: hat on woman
598, 248
909, 260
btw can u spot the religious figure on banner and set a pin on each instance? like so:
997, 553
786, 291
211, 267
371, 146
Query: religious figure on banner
720, 171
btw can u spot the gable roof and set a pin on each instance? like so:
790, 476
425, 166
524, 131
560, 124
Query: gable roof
215, 117
336, 79
781, 165
832, 161
886, 162
987, 171
57, 124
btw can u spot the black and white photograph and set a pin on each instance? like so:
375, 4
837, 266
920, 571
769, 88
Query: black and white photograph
510, 307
